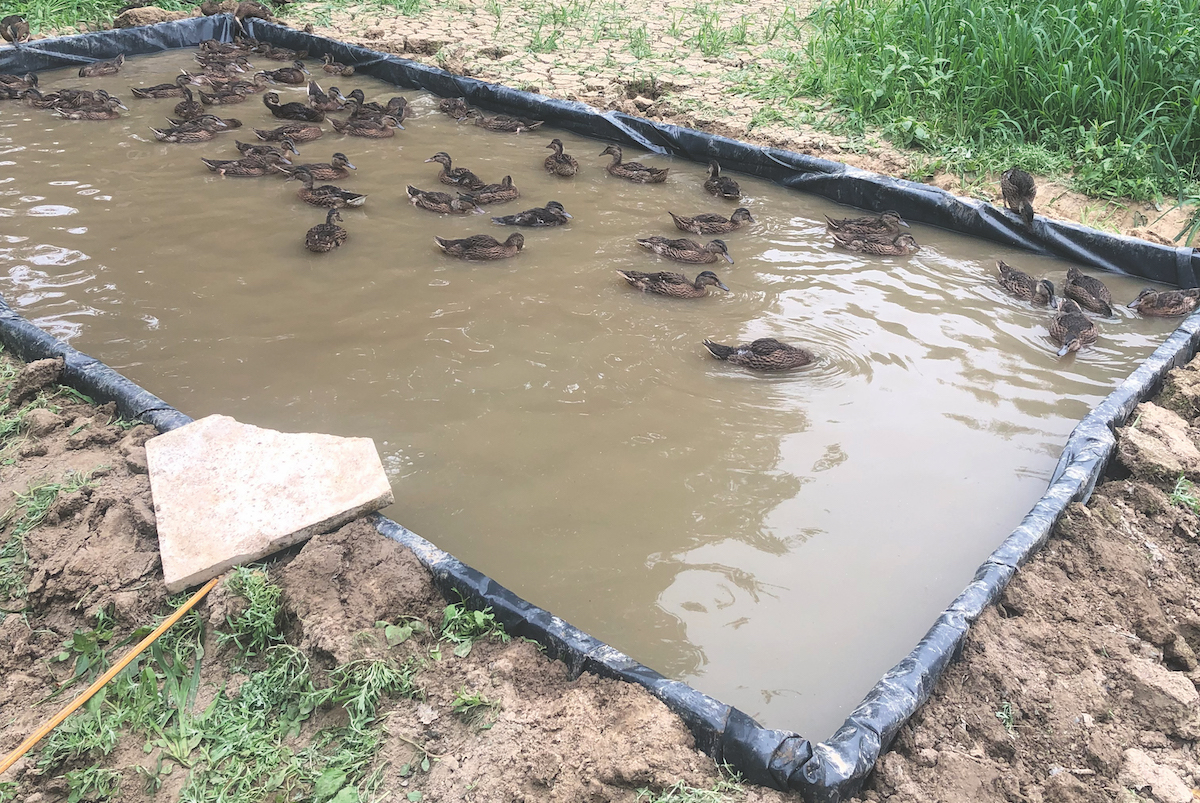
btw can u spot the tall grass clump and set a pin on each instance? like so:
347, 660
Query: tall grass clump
47, 15
1112, 84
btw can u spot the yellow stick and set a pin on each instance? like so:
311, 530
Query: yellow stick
57, 719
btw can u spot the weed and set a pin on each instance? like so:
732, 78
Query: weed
93, 784
257, 627
1184, 495
680, 792
8, 791
402, 630
1007, 718
475, 709
544, 44
464, 627
639, 43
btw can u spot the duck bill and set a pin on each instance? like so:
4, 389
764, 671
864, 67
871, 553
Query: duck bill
430, 160
568, 215
905, 224
722, 286
352, 167
728, 258
1065, 350
1137, 302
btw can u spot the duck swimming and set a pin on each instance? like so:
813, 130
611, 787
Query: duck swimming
1088, 291
1165, 303
1025, 287
685, 250
764, 354
675, 285
721, 186
482, 247
1072, 328
552, 214
709, 223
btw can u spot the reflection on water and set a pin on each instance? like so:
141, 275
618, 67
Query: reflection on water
778, 541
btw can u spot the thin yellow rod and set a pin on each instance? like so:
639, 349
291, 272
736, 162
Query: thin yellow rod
57, 719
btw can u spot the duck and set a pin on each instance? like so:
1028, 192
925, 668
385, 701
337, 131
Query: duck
326, 102
253, 10
171, 90
338, 167
1165, 303
1071, 328
205, 121
189, 107
559, 163
34, 97
324, 237
11, 92
282, 53
256, 84
106, 110
294, 75
296, 132
360, 109
375, 129
687, 250
709, 223
764, 354
1088, 291
482, 247
454, 107
884, 227
254, 149
292, 111
496, 193
1025, 287
98, 68
902, 245
222, 97
25, 81
334, 68
14, 28
675, 285
326, 194
1019, 190
721, 186
70, 98
247, 166
455, 176
443, 202
633, 171
552, 214
193, 132
501, 122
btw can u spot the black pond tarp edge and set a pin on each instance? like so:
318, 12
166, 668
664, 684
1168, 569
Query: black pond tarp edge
831, 770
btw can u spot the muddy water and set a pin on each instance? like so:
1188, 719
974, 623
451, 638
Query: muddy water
778, 541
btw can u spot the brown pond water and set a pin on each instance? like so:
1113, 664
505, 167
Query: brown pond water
777, 541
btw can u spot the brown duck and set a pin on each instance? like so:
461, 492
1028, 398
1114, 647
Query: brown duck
334, 68
709, 223
633, 171
375, 129
685, 250
295, 75
327, 194
482, 247
496, 193
559, 163
1165, 303
1018, 190
884, 227
189, 108
443, 202
455, 107
14, 28
764, 354
338, 167
675, 285
205, 121
721, 186
502, 123
324, 237
1088, 291
902, 245
172, 90
1025, 287
455, 176
254, 149
1072, 328
552, 214
292, 111
247, 166
98, 68
195, 131
331, 101
296, 132
107, 110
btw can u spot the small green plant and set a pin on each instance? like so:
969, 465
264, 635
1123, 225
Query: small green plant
1184, 495
475, 709
680, 792
403, 629
256, 628
8, 791
463, 627
1007, 718
92, 784
639, 42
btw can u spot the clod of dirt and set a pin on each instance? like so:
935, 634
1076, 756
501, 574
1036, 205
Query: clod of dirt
1142, 774
1181, 391
149, 15
1157, 445
33, 377
41, 422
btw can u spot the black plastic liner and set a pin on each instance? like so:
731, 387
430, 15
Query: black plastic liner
828, 771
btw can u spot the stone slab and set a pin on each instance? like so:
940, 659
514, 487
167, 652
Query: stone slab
226, 493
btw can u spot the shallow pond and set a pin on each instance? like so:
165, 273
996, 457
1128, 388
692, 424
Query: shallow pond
778, 541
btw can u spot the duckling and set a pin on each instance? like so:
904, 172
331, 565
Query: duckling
318, 99
721, 186
633, 171
1072, 328
14, 28
685, 250
709, 223
902, 245
105, 111
455, 176
502, 123
333, 68
1088, 291
249, 149
1019, 190
337, 168
294, 75
326, 194
559, 163
482, 246
1024, 286
455, 107
442, 202
324, 237
375, 129
171, 90
292, 111
552, 214
497, 193
189, 107
675, 285
883, 228
764, 354
247, 166
98, 68
296, 132
1165, 303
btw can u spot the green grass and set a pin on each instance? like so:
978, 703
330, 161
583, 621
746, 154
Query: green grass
722, 791
1184, 495
463, 627
1112, 86
256, 628
30, 510
475, 709
46, 15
